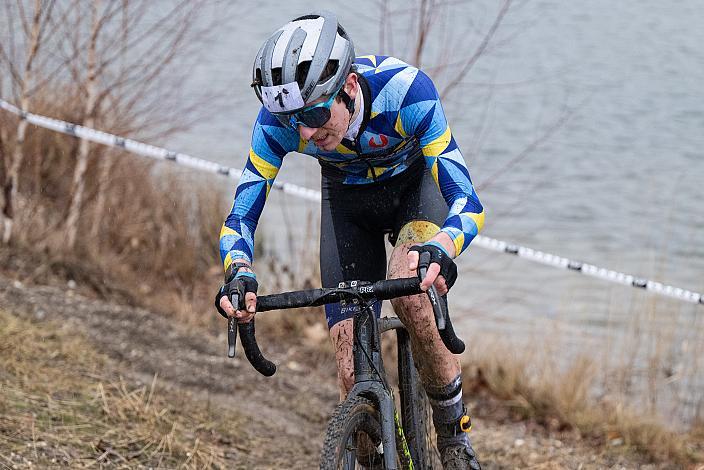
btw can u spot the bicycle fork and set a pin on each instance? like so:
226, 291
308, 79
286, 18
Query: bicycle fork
376, 392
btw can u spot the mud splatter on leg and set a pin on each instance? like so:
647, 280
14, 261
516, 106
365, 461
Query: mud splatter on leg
341, 337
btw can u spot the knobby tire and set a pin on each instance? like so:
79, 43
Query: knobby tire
354, 421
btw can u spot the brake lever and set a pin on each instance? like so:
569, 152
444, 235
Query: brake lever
231, 336
438, 311
234, 296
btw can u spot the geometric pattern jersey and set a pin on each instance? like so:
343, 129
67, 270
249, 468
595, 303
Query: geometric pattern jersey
405, 122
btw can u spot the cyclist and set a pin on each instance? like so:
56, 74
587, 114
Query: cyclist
389, 166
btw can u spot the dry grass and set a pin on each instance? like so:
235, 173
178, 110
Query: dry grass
530, 385
147, 232
61, 407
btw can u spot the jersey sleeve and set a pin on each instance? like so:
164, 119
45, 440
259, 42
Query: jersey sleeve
270, 142
421, 114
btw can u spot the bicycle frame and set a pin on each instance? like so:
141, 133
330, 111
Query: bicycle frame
370, 377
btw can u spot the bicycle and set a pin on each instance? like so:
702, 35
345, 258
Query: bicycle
365, 428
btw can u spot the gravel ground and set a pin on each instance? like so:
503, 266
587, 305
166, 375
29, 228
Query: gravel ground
293, 406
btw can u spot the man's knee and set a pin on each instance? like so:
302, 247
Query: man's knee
398, 262
415, 312
341, 335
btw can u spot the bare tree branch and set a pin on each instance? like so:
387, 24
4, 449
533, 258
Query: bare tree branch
11, 48
44, 16
23, 19
480, 49
151, 32
4, 57
57, 24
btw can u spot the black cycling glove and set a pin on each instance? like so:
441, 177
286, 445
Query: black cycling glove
448, 269
236, 284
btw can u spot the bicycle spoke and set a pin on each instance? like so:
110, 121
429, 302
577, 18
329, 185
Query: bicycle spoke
349, 461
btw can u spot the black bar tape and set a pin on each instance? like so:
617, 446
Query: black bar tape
252, 351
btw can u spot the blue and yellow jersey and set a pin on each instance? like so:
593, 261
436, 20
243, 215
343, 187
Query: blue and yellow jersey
403, 121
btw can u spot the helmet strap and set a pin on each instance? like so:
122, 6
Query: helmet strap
349, 102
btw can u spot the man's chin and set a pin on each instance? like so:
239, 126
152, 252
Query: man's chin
328, 146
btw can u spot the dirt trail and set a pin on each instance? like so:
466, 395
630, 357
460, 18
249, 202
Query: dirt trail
292, 406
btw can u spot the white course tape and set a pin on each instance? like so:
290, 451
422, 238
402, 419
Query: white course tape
151, 151
588, 269
147, 150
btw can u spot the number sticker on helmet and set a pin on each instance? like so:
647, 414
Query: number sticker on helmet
282, 98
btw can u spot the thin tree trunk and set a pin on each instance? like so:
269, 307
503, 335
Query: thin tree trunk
74, 213
13, 183
4, 183
103, 187
3, 170
11, 187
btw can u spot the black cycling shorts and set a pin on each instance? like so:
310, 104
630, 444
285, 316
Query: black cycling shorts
355, 218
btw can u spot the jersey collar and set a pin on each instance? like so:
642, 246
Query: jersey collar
353, 130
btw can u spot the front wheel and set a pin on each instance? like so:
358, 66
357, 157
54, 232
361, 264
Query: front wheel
353, 437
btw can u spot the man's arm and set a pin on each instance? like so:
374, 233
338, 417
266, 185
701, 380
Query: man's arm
422, 115
265, 158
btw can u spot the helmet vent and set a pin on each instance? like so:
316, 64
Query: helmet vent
276, 76
306, 17
329, 71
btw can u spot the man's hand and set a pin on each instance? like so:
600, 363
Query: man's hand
243, 316
442, 271
244, 283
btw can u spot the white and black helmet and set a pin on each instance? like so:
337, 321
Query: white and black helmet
307, 58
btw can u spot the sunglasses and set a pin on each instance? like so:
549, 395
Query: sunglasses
313, 116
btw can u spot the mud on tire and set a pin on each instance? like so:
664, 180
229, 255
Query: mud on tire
353, 433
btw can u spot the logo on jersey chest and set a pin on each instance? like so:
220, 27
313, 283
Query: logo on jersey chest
384, 142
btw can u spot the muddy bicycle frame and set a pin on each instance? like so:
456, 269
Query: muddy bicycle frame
369, 373
370, 377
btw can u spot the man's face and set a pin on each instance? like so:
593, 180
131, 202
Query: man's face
329, 136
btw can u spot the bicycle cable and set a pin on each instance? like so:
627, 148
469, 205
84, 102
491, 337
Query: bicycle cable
382, 378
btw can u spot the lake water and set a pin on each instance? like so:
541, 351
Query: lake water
617, 184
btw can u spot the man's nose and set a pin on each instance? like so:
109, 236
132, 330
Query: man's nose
307, 132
